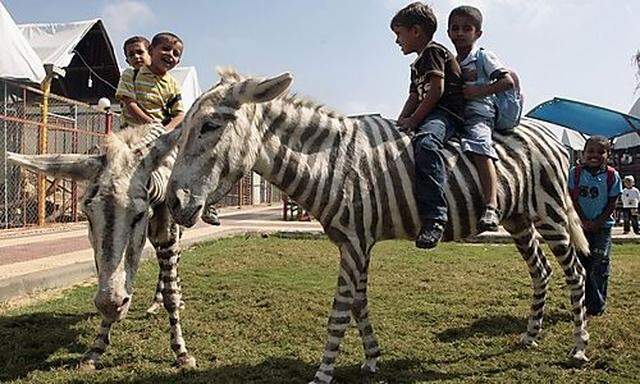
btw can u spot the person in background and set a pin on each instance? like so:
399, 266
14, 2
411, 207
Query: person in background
595, 188
630, 201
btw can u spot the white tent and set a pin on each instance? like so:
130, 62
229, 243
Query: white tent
570, 138
187, 77
55, 42
632, 139
18, 59
83, 50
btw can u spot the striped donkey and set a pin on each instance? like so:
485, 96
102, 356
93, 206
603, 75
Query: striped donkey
356, 177
124, 204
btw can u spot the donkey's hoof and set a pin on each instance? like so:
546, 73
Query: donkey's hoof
527, 341
186, 361
86, 365
369, 368
578, 358
154, 308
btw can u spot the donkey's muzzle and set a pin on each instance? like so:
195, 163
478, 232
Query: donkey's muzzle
183, 205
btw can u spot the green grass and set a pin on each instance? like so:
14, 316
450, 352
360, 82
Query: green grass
256, 311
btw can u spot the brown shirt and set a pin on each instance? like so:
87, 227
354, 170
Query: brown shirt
437, 60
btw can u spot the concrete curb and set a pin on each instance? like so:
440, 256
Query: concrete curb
68, 275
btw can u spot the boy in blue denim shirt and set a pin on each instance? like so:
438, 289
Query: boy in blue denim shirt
595, 188
432, 111
484, 76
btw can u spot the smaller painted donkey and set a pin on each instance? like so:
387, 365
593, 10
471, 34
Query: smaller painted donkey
356, 177
124, 203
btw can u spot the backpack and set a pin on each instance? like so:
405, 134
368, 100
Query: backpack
166, 108
577, 171
508, 104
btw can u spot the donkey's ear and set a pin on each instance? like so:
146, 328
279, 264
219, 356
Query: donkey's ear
161, 148
72, 166
259, 91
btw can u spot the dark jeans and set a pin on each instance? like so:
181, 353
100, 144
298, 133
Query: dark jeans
597, 269
630, 219
431, 173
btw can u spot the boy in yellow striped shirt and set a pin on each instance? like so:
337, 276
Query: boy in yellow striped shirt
150, 94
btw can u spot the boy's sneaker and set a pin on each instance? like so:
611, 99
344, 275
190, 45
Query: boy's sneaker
430, 234
489, 220
210, 215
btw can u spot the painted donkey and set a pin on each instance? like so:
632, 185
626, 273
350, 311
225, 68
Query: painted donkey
356, 177
124, 204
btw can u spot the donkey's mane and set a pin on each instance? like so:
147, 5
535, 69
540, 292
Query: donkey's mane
305, 102
230, 75
121, 145
126, 139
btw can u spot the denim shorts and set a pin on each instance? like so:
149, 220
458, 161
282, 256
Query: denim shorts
476, 137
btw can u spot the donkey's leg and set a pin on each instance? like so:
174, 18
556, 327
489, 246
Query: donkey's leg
157, 299
100, 344
340, 313
360, 312
524, 236
164, 234
556, 236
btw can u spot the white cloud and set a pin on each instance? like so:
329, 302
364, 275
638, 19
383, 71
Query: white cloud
124, 16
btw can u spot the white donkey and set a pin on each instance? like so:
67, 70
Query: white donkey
124, 204
356, 177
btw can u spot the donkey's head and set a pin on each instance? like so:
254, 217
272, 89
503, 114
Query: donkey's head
116, 203
221, 140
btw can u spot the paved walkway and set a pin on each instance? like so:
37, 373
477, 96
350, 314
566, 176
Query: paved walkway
60, 256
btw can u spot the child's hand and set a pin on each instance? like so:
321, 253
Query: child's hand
407, 125
472, 91
589, 226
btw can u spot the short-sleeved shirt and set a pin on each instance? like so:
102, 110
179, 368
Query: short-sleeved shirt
492, 68
151, 92
593, 192
630, 197
436, 60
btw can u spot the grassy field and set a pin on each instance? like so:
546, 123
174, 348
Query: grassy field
256, 311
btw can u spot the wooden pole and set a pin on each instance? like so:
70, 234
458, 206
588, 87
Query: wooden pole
42, 141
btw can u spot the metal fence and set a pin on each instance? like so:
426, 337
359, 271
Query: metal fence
67, 126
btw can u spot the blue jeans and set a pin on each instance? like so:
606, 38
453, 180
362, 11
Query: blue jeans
597, 269
431, 174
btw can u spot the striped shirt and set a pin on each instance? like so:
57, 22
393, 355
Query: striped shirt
150, 91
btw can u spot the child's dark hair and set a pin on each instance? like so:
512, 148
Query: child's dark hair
419, 14
133, 40
472, 13
164, 36
597, 139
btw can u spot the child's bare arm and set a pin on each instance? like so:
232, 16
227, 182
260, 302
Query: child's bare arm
175, 121
135, 110
504, 83
606, 213
409, 107
436, 89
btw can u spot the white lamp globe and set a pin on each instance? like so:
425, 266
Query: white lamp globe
104, 104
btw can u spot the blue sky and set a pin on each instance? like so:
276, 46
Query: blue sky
342, 52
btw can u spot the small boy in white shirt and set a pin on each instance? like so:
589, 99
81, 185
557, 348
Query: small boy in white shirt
630, 200
484, 76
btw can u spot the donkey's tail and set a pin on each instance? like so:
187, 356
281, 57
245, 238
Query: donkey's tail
576, 235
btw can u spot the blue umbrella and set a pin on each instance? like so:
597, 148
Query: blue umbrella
585, 118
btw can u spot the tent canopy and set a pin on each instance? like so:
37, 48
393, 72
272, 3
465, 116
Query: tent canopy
585, 118
187, 77
18, 59
83, 49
